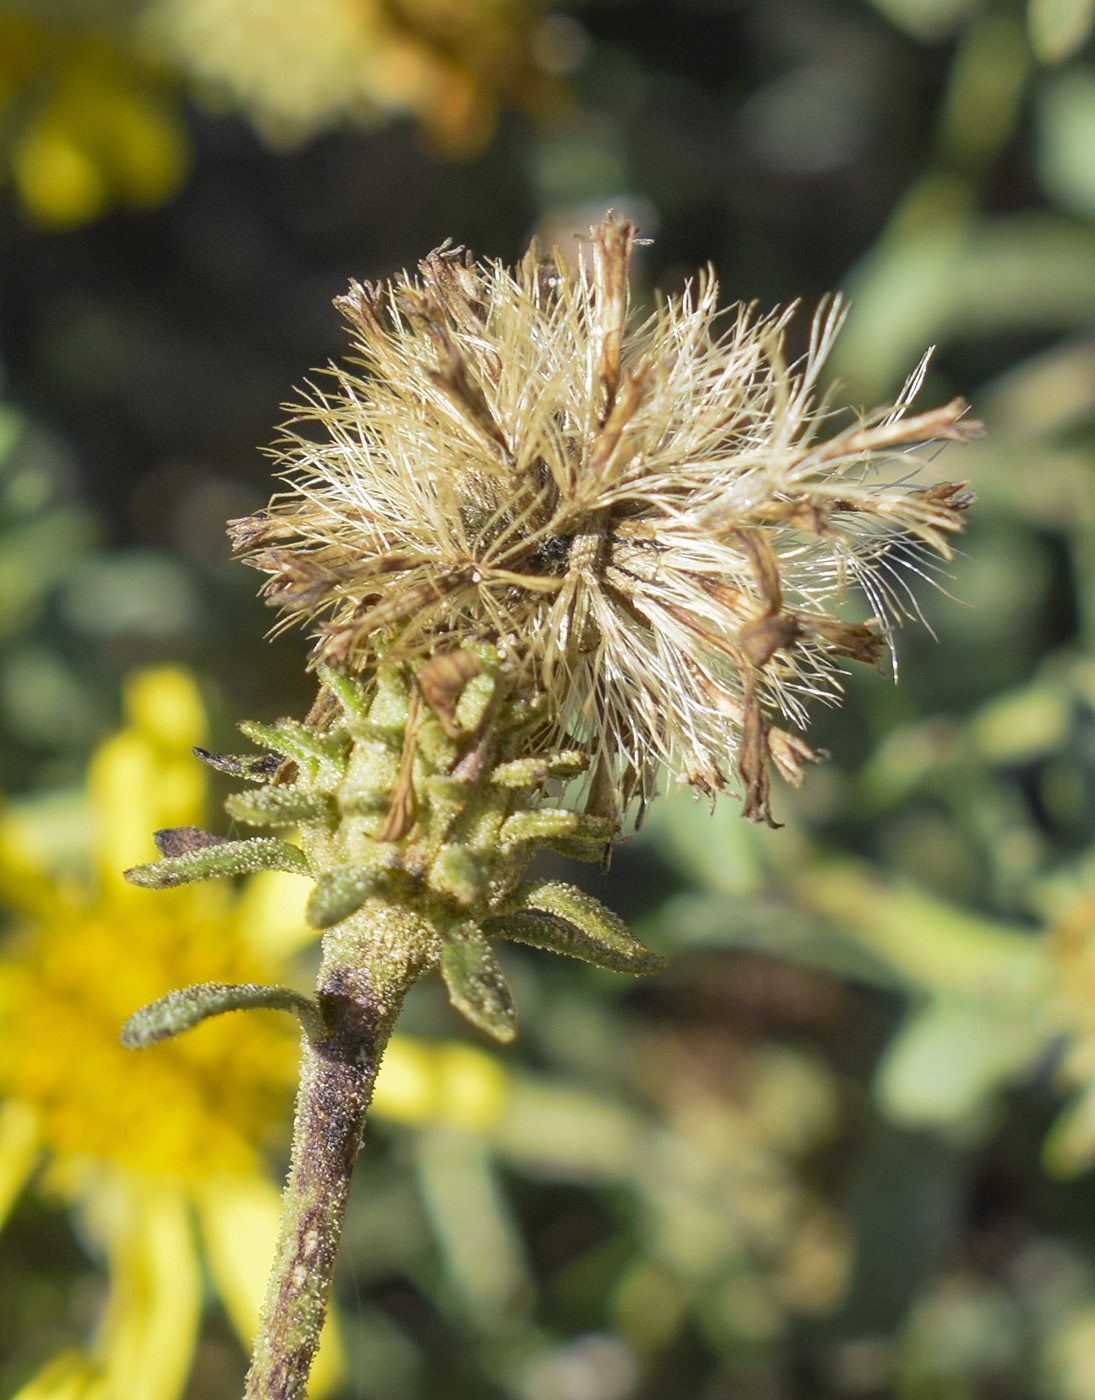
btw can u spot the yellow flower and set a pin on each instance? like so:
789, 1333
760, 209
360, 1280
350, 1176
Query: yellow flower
144, 1147
93, 115
299, 66
644, 519
91, 127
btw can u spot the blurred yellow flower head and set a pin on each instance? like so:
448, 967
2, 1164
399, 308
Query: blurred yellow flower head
70, 977
143, 1146
299, 66
91, 125
93, 111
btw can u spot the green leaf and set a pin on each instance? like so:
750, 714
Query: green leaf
930, 944
1066, 131
926, 20
459, 874
178, 1011
562, 919
548, 826
773, 928
222, 858
950, 1059
340, 893
1069, 1146
1058, 28
279, 806
477, 985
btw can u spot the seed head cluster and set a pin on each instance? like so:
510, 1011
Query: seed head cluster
654, 521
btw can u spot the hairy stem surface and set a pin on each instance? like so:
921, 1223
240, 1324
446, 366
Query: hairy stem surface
363, 978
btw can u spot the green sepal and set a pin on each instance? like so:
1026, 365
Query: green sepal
477, 986
390, 739
562, 919
374, 802
459, 874
530, 772
447, 796
279, 806
594, 850
221, 858
438, 749
299, 742
178, 1011
523, 712
475, 700
548, 825
350, 694
340, 893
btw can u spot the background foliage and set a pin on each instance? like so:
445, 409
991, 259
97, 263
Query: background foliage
842, 1147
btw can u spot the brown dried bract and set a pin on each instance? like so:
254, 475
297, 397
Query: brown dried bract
652, 521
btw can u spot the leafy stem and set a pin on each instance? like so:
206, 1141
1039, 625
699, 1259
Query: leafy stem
418, 800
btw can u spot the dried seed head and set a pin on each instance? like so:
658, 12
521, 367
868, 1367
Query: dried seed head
644, 519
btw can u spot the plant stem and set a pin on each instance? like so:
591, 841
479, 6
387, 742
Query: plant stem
369, 963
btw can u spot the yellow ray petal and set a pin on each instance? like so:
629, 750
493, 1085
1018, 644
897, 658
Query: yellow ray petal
271, 914
165, 705
146, 777
151, 1323
407, 1087
18, 1150
238, 1217
70, 1376
32, 837
423, 1081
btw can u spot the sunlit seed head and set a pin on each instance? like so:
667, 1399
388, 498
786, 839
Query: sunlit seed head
658, 521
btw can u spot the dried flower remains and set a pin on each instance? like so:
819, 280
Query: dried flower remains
645, 518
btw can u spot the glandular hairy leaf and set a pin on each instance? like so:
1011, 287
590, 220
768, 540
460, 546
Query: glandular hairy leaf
181, 1010
477, 986
562, 919
340, 893
212, 858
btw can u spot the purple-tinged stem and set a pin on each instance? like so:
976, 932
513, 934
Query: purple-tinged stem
369, 963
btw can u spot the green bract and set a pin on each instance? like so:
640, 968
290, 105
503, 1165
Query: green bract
420, 787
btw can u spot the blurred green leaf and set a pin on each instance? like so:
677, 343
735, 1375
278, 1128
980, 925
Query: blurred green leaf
949, 1061
986, 87
932, 945
1066, 139
142, 592
961, 280
1058, 28
926, 19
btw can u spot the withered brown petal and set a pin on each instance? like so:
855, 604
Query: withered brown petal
753, 757
765, 568
257, 767
250, 530
858, 641
761, 638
